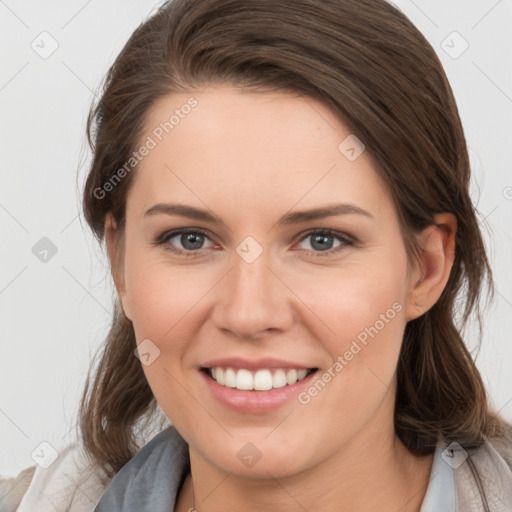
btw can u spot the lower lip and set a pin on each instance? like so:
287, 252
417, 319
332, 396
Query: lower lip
255, 401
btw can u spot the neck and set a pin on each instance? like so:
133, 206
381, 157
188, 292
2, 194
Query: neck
374, 471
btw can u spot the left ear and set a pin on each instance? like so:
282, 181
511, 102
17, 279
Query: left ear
437, 253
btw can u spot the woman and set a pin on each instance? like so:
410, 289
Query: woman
283, 193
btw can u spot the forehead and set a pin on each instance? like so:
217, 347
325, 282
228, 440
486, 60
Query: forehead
254, 150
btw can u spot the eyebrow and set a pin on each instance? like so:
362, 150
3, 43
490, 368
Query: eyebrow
289, 218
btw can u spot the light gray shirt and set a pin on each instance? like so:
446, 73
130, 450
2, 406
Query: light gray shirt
151, 480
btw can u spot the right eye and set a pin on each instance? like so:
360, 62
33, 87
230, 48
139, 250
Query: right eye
190, 239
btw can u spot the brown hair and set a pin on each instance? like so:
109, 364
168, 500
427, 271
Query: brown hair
367, 62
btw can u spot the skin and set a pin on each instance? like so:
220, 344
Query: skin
249, 158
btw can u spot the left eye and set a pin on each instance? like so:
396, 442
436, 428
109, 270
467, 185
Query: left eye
324, 240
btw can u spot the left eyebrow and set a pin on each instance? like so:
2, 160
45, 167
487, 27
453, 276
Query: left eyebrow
319, 213
192, 212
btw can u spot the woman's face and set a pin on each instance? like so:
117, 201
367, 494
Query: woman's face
248, 286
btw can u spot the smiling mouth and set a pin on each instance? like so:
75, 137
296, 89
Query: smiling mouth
259, 380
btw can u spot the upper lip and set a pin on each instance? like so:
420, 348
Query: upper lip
253, 364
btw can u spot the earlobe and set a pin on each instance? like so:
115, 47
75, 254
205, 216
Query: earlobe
114, 257
436, 257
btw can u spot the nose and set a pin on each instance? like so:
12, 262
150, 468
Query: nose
253, 300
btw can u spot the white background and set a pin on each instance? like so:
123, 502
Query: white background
55, 314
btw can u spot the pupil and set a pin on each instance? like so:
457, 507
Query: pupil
190, 238
323, 244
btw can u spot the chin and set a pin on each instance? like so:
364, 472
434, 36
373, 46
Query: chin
261, 458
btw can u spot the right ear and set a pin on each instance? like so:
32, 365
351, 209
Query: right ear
115, 259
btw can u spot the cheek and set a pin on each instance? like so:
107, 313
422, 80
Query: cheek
362, 312
367, 318
164, 302
356, 302
160, 294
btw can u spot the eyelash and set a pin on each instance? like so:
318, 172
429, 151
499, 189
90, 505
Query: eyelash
164, 238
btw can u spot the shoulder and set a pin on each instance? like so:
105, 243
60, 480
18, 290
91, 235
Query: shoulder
12, 490
503, 446
71, 484
486, 469
496, 455
74, 484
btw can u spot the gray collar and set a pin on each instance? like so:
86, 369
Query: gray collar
151, 480
440, 495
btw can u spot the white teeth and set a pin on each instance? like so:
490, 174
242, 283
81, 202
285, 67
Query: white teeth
291, 376
244, 380
219, 376
230, 378
301, 373
279, 379
261, 380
